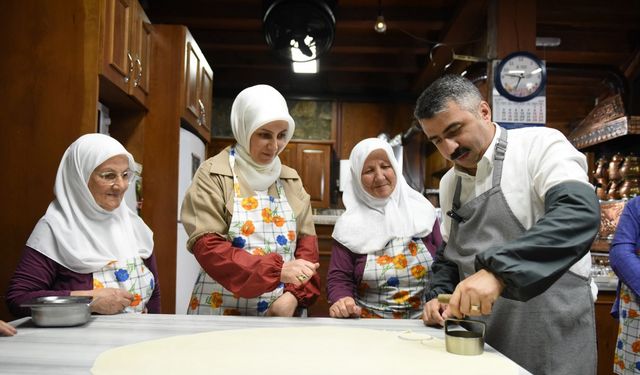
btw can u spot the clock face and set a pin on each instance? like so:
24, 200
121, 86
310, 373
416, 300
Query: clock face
520, 76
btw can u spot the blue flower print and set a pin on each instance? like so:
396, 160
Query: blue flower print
152, 284
637, 365
624, 313
271, 199
262, 306
239, 242
393, 281
282, 240
620, 344
233, 151
122, 275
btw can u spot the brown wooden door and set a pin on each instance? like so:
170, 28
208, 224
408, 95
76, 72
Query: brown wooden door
192, 75
117, 60
204, 101
313, 165
288, 156
141, 47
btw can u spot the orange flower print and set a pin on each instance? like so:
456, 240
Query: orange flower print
194, 303
414, 302
362, 289
384, 259
626, 298
248, 228
401, 297
633, 313
413, 248
635, 347
278, 221
258, 251
249, 203
365, 313
231, 312
400, 261
216, 300
398, 315
418, 271
136, 300
291, 235
97, 284
266, 215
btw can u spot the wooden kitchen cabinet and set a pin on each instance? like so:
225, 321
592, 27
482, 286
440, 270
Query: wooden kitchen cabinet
313, 163
127, 38
321, 307
198, 88
606, 331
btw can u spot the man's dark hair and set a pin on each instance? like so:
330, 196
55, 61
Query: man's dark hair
436, 97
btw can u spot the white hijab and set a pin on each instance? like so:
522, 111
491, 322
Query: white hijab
253, 107
75, 231
369, 223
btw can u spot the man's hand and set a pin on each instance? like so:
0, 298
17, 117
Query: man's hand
475, 295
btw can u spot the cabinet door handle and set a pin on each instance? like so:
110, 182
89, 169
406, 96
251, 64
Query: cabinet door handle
202, 120
130, 61
138, 79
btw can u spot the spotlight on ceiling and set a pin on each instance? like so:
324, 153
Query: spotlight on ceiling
380, 26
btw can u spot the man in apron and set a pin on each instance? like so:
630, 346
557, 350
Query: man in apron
520, 219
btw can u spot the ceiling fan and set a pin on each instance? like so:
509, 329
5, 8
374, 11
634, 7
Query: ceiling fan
299, 30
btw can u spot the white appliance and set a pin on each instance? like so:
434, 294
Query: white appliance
104, 120
192, 153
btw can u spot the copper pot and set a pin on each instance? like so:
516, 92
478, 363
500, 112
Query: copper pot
630, 188
630, 168
614, 167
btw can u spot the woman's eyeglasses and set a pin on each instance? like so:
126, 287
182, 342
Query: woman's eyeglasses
110, 178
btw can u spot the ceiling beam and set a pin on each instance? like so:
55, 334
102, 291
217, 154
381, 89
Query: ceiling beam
462, 28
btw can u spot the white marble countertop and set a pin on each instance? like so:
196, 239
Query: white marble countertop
73, 350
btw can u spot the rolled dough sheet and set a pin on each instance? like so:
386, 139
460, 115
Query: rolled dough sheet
318, 350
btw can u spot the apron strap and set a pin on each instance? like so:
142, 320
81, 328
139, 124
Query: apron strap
498, 157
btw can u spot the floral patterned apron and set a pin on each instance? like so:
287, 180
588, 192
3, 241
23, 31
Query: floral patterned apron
627, 355
395, 280
260, 224
131, 275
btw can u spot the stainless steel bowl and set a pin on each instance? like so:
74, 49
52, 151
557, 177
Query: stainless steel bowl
60, 311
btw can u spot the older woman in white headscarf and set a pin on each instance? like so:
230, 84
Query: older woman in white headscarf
89, 243
384, 243
249, 219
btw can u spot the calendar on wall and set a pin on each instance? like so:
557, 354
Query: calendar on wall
510, 114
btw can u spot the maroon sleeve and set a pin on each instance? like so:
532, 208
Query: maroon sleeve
307, 293
244, 274
345, 272
153, 306
35, 276
434, 239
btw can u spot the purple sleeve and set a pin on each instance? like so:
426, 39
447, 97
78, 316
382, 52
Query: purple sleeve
433, 240
34, 277
345, 272
153, 306
623, 254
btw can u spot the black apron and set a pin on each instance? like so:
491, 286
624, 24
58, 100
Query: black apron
552, 333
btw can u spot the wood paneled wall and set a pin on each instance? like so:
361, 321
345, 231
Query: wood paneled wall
42, 71
360, 120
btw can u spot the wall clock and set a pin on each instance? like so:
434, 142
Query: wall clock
520, 76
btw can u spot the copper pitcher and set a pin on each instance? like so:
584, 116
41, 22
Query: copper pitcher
614, 167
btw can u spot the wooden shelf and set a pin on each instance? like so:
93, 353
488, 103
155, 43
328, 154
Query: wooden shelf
606, 131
